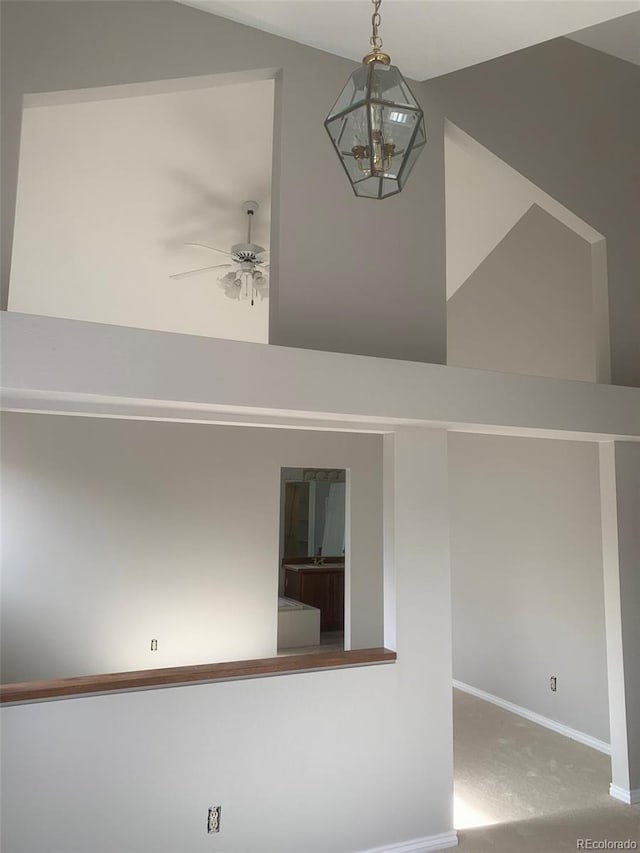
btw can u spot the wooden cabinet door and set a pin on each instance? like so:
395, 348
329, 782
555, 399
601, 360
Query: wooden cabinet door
335, 616
321, 589
313, 591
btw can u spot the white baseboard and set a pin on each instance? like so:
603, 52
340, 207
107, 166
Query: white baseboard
560, 728
631, 798
421, 845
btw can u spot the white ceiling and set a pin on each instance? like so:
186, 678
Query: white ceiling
426, 38
112, 184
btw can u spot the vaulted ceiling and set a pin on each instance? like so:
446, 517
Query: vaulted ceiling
426, 38
212, 156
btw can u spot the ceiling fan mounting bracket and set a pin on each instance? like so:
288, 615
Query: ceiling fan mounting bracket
250, 207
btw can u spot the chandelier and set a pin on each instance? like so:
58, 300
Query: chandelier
376, 125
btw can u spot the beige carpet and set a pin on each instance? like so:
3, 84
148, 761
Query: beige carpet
534, 790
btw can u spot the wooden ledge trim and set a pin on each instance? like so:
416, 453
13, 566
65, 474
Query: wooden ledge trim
85, 685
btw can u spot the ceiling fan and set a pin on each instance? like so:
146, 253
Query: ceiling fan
246, 279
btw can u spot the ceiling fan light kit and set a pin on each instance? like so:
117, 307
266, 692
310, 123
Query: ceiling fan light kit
376, 125
247, 281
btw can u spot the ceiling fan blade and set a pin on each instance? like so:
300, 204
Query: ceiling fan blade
201, 269
211, 248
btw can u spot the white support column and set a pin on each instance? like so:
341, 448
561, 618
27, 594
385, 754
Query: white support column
417, 564
389, 541
620, 505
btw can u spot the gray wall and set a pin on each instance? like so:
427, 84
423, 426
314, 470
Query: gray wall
528, 307
347, 275
526, 563
566, 117
117, 532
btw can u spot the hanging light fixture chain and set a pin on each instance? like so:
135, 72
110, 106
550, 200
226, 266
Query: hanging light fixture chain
375, 40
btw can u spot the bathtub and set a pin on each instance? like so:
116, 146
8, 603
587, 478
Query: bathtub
298, 624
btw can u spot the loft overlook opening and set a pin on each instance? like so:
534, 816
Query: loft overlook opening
141, 185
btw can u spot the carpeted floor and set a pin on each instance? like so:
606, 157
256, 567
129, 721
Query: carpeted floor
521, 788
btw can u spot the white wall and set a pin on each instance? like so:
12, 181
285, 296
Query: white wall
50, 364
528, 307
117, 532
135, 773
342, 761
528, 597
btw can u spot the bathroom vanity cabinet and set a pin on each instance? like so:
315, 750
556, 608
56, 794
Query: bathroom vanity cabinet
321, 587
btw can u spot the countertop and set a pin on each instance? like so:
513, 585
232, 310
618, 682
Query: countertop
297, 567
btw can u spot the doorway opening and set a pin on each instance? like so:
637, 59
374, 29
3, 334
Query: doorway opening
531, 711
311, 589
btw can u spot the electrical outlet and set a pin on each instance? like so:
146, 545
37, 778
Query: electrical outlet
213, 819
154, 645
553, 683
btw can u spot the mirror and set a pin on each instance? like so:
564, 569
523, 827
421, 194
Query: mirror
312, 565
313, 512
